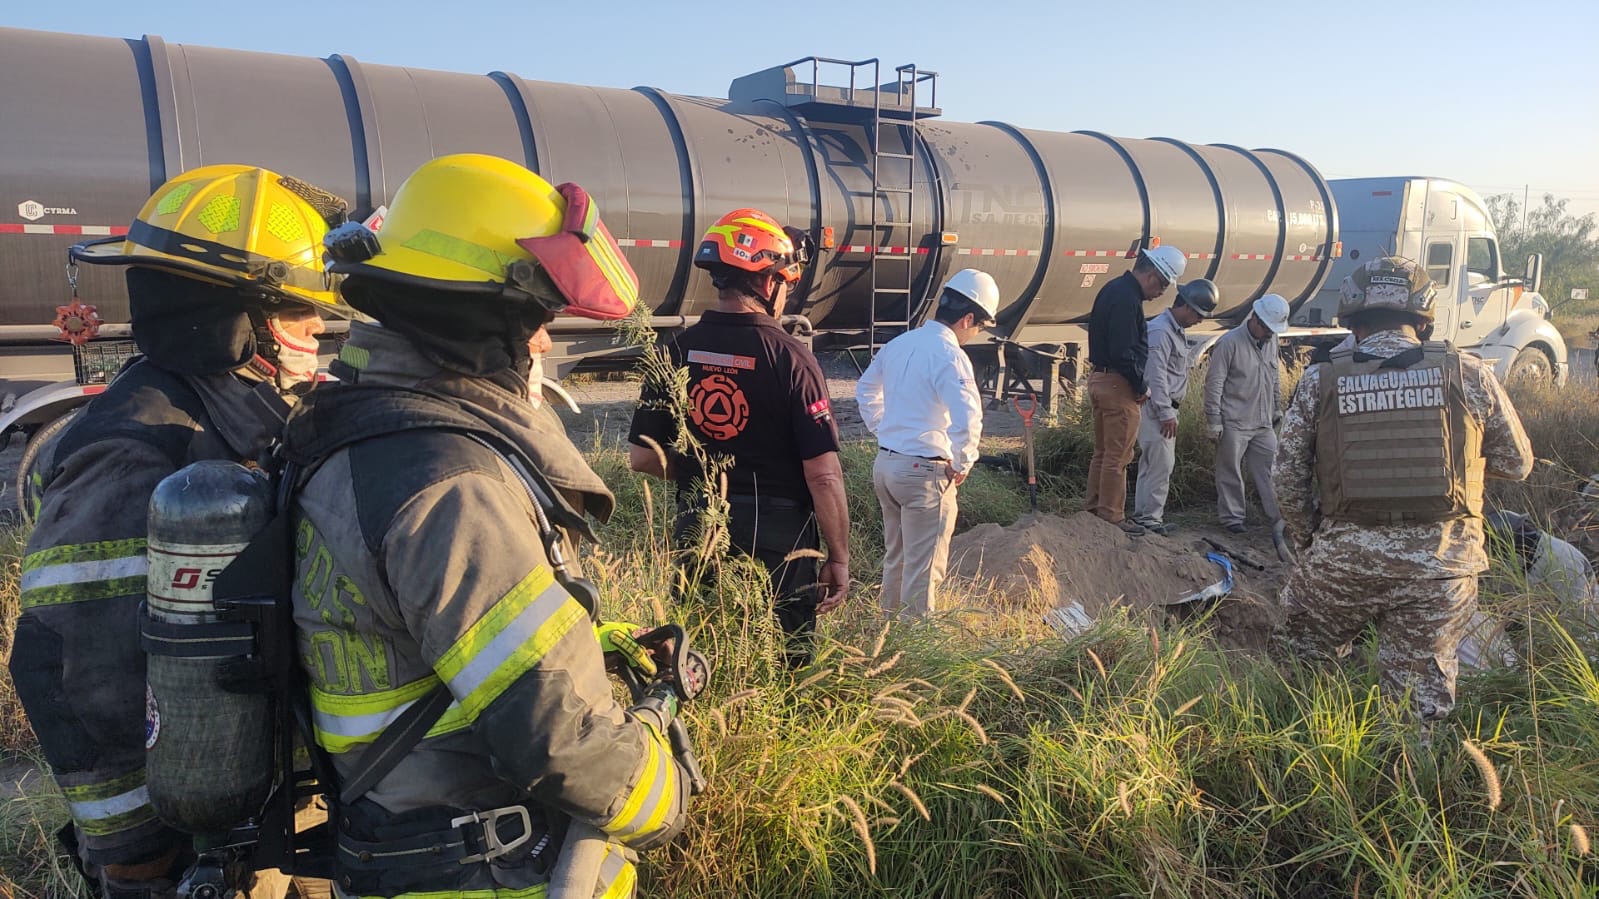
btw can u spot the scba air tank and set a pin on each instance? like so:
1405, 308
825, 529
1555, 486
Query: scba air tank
209, 746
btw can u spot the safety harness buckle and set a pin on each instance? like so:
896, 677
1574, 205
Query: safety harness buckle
488, 822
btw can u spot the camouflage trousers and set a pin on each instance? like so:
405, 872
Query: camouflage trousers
1419, 622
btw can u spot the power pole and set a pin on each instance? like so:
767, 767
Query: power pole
1526, 192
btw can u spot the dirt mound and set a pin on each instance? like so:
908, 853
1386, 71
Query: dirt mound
1044, 561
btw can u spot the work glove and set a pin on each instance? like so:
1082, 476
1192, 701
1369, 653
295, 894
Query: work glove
1213, 431
618, 637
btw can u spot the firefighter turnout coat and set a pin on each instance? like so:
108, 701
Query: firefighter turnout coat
420, 562
77, 663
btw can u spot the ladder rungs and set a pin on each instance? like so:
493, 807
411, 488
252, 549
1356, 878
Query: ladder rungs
886, 155
898, 190
899, 291
890, 324
891, 224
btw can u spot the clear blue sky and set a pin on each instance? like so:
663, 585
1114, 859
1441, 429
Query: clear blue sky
1495, 94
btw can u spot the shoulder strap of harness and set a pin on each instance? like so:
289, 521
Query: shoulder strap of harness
269, 560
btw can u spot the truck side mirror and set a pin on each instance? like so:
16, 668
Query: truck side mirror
1533, 275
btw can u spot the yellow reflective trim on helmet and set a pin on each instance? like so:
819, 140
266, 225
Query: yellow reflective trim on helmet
463, 252
768, 227
591, 220
173, 200
220, 214
614, 270
727, 232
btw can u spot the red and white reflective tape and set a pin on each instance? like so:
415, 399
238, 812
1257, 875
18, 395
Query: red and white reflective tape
1252, 257
70, 230
979, 251
888, 251
1124, 254
631, 242
1201, 255
1311, 258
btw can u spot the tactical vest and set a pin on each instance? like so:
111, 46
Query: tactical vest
1395, 443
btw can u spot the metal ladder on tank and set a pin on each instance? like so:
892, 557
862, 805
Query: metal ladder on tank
893, 274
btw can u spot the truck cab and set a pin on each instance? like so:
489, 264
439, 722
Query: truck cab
1446, 226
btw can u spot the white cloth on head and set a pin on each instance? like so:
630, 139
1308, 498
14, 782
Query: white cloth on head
1564, 571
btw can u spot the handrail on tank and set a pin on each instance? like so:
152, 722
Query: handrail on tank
918, 76
816, 68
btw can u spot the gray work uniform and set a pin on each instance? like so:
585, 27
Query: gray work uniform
1166, 373
1241, 398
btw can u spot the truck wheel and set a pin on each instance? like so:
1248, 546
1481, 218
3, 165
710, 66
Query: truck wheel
1532, 366
36, 459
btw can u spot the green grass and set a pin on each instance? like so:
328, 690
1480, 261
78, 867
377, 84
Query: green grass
978, 756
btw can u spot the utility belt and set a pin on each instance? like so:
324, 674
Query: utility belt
427, 849
885, 449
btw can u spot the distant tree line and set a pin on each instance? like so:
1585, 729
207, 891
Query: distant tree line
1569, 244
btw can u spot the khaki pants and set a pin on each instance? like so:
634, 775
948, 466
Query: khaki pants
1236, 449
1115, 431
274, 884
918, 502
1157, 456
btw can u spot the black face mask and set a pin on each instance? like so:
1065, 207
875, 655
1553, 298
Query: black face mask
188, 326
474, 336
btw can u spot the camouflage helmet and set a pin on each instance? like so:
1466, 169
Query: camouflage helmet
1389, 282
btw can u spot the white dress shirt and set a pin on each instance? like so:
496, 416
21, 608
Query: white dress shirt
920, 398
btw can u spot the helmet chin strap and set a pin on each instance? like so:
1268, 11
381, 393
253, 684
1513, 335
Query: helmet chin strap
769, 303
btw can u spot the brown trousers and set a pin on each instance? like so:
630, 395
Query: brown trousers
1115, 435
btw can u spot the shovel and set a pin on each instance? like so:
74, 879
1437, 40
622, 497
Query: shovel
1026, 412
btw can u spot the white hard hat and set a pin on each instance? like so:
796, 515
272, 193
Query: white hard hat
1169, 261
1272, 310
977, 286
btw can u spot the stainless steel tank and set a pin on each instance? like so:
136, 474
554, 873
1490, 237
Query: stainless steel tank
1051, 215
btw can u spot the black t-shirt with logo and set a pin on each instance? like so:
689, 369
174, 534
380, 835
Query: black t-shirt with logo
755, 395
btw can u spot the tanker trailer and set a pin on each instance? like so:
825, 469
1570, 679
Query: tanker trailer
865, 162
853, 151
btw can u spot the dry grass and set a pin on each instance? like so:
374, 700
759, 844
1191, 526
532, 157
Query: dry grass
977, 755
1564, 428
15, 735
